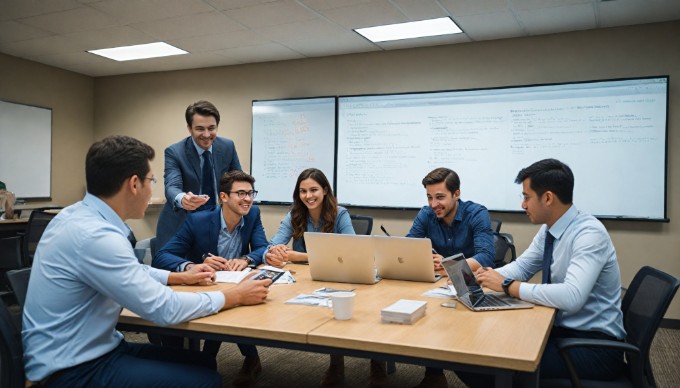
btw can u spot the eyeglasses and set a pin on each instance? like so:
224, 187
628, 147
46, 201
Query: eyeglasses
152, 179
242, 193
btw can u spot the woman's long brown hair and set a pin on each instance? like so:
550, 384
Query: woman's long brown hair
299, 212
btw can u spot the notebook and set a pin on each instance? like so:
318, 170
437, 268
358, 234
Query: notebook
404, 258
344, 258
471, 294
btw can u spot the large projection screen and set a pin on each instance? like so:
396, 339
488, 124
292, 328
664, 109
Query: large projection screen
26, 150
289, 136
611, 133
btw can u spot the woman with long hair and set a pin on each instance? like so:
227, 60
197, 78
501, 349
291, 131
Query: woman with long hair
314, 209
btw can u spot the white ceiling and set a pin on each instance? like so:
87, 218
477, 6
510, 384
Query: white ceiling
230, 32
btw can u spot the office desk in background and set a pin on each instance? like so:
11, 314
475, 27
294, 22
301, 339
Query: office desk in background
11, 228
493, 342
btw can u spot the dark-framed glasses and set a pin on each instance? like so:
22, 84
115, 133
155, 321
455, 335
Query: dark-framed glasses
242, 193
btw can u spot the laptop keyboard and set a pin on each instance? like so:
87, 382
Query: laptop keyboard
491, 300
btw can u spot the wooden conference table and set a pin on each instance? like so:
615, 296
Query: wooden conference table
493, 342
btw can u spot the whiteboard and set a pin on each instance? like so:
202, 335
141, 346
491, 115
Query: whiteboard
611, 133
26, 150
289, 136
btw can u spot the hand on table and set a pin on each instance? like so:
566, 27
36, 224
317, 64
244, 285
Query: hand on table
217, 263
248, 292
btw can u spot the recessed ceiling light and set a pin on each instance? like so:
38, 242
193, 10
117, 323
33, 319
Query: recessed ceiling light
410, 30
139, 51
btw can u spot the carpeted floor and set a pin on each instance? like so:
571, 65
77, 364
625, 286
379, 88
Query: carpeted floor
281, 368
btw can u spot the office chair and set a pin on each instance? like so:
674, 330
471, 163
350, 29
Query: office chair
644, 305
18, 280
153, 246
496, 225
362, 224
10, 259
37, 223
11, 351
504, 243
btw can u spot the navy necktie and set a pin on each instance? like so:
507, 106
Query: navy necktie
547, 256
208, 181
131, 236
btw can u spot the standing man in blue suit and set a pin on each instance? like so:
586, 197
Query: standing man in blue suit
192, 166
228, 238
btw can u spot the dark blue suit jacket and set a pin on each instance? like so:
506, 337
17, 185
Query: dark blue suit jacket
199, 234
183, 174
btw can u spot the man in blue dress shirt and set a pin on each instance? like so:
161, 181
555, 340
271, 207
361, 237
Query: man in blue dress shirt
85, 271
454, 226
581, 275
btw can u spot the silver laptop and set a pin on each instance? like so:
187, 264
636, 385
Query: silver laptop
404, 258
343, 258
471, 294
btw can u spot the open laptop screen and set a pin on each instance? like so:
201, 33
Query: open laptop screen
475, 291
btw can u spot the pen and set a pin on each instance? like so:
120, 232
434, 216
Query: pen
384, 230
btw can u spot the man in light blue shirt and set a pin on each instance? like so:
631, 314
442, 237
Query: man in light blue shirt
580, 270
85, 272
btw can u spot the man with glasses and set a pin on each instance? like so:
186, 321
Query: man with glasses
85, 272
229, 238
192, 166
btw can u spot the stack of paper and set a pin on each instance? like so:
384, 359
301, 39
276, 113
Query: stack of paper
404, 311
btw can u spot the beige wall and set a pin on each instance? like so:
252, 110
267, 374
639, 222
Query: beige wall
71, 97
150, 107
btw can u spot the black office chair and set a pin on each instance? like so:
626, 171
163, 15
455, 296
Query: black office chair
496, 225
153, 246
10, 259
505, 249
644, 305
18, 280
37, 223
362, 224
11, 351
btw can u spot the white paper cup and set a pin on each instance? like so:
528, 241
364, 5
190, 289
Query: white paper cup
342, 303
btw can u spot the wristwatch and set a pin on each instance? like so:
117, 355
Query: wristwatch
506, 285
250, 261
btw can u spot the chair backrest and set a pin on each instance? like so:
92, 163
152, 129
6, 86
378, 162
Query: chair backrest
18, 280
362, 224
11, 351
10, 253
505, 249
153, 245
644, 305
37, 223
496, 225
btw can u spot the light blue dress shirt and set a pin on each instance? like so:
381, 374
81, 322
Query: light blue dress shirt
84, 273
229, 244
585, 276
343, 225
